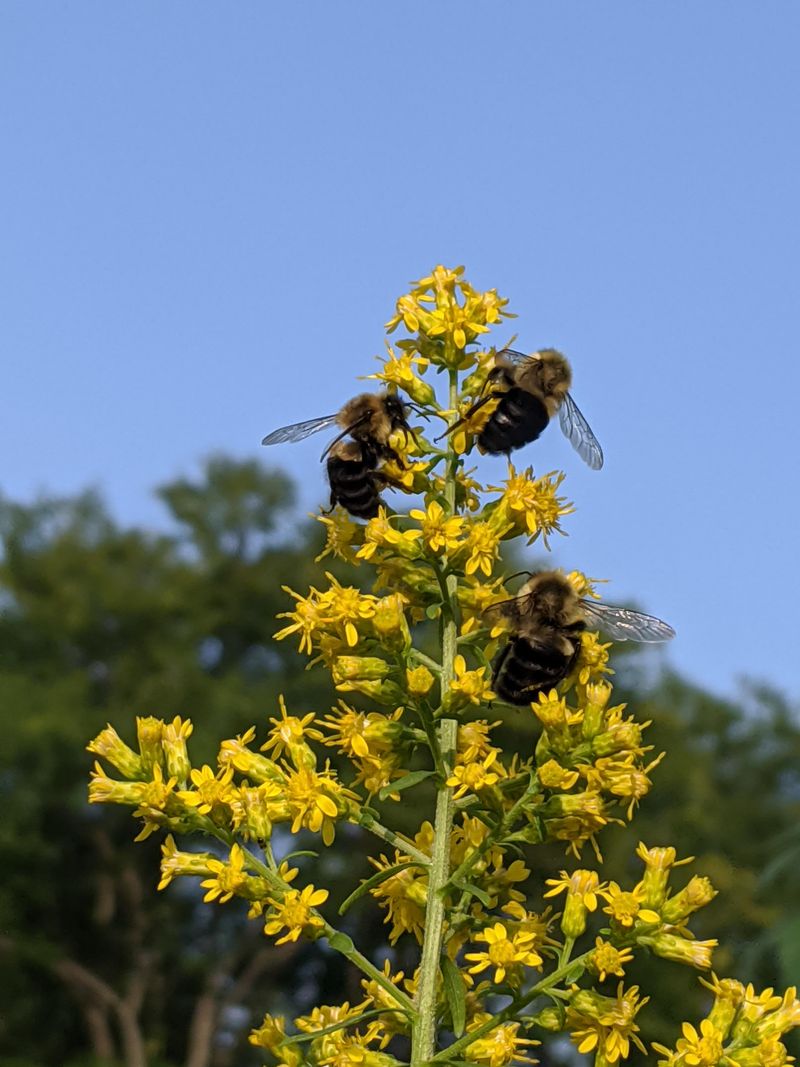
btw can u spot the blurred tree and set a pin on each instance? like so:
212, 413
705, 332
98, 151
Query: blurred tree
103, 623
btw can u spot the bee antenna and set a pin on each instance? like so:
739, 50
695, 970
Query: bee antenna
518, 574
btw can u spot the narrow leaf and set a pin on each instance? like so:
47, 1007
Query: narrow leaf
456, 992
376, 879
475, 891
412, 778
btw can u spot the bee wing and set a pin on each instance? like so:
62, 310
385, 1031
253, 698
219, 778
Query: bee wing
507, 609
298, 431
579, 433
622, 624
512, 355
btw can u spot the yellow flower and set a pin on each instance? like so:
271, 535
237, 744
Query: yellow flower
553, 776
379, 534
175, 753
472, 777
439, 532
499, 1047
308, 619
697, 1048
605, 1024
256, 807
695, 895
175, 863
592, 659
229, 877
468, 687
211, 792
271, 1035
316, 801
607, 959
345, 606
582, 889
399, 371
290, 733
419, 681
473, 741
404, 895
529, 505
110, 747
507, 952
294, 913
341, 534
625, 907
235, 753
481, 547
680, 949
658, 862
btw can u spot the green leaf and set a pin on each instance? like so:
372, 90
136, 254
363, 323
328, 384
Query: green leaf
376, 879
475, 891
456, 992
412, 778
341, 943
432, 611
300, 852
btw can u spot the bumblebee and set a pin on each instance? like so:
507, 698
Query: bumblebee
531, 389
547, 619
353, 466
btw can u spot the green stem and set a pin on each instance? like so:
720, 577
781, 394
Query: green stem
391, 838
423, 1040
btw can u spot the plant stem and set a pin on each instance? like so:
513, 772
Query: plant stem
423, 1042
391, 838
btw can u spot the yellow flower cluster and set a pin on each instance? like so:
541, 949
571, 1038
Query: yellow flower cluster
413, 649
743, 1029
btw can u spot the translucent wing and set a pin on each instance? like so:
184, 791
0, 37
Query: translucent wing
512, 355
298, 431
622, 624
579, 433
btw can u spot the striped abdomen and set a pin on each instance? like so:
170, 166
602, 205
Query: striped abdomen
517, 420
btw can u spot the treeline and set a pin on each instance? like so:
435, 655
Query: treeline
99, 623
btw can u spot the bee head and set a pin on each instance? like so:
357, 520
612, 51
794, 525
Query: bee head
555, 373
396, 410
552, 597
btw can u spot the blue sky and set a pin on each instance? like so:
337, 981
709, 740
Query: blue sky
208, 209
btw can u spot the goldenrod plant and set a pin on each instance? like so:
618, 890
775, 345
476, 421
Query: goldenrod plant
504, 958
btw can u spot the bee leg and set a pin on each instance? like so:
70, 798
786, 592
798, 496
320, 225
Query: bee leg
475, 407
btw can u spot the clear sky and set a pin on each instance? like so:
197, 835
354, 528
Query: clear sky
208, 209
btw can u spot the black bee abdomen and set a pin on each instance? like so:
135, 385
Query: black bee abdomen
524, 668
517, 420
354, 485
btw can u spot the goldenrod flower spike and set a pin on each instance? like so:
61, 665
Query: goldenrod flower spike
411, 641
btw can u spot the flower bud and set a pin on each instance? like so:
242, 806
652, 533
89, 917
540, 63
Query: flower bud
350, 668
251, 810
419, 681
235, 752
110, 747
389, 623
728, 996
150, 731
550, 1019
174, 745
658, 863
680, 949
696, 894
